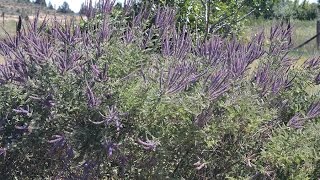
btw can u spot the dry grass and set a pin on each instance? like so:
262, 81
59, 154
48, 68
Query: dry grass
9, 27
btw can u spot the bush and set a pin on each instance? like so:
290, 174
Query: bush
119, 97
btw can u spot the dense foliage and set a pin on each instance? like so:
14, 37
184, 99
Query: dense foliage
124, 95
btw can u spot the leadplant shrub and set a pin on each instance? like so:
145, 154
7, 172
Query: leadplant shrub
134, 97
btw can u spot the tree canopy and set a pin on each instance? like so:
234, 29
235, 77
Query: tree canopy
41, 2
64, 8
50, 6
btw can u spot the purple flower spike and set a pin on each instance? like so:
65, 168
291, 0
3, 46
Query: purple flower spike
141, 17
239, 56
280, 38
3, 152
164, 19
312, 63
317, 79
110, 147
105, 31
211, 50
217, 84
23, 127
127, 5
296, 121
70, 153
89, 10
57, 139
100, 75
179, 77
147, 145
106, 6
129, 35
272, 81
166, 46
113, 117
177, 46
93, 101
22, 111
314, 110
87, 166
58, 142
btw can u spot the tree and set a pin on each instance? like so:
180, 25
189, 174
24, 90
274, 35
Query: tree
50, 6
64, 8
40, 2
23, 1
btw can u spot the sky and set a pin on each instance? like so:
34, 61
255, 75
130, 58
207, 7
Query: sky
76, 4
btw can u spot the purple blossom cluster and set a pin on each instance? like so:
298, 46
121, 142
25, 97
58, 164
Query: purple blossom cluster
239, 57
218, 84
211, 50
178, 78
272, 81
148, 144
112, 117
312, 63
298, 120
280, 39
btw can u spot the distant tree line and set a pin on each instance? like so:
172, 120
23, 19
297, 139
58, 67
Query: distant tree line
226, 16
40, 2
23, 1
64, 8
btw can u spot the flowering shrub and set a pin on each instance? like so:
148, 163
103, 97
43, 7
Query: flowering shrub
125, 96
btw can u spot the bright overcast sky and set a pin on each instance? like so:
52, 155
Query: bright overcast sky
74, 4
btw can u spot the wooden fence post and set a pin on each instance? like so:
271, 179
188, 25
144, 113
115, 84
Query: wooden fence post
318, 32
